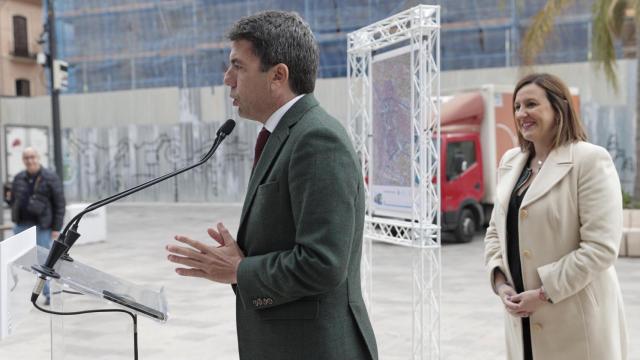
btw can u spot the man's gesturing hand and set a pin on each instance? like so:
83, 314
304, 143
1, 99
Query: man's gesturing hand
219, 264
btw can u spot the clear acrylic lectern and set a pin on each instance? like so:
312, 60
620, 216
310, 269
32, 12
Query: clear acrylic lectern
82, 287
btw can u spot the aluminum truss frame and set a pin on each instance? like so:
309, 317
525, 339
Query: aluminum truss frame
418, 27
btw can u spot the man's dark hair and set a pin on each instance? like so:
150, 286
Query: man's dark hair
281, 37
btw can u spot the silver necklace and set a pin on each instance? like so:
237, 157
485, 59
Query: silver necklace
540, 162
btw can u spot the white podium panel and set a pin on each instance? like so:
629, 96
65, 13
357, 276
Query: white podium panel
15, 285
93, 226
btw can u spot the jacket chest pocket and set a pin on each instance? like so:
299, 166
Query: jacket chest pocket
267, 198
265, 219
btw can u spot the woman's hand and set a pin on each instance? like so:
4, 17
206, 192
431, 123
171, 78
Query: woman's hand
506, 294
525, 303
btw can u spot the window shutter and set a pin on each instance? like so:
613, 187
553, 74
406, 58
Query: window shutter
20, 38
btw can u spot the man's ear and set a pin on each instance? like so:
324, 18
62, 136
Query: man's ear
280, 75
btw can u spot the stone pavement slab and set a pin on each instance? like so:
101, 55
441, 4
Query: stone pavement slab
202, 321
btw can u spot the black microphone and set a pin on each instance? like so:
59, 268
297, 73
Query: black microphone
69, 236
226, 128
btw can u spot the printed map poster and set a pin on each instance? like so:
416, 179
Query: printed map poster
390, 181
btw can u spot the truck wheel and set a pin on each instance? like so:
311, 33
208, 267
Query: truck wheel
467, 226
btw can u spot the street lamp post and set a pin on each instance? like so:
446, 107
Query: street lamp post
55, 92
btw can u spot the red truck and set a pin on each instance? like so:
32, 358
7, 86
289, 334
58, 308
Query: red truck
476, 128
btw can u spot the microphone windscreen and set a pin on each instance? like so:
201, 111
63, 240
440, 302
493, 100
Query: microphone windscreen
227, 127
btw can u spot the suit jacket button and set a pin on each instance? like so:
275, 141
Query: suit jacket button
527, 254
524, 213
537, 327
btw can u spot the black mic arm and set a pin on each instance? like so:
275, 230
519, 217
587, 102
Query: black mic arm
69, 235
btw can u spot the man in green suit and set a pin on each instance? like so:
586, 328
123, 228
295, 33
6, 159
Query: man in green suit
296, 265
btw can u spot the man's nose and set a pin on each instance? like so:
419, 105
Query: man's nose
227, 77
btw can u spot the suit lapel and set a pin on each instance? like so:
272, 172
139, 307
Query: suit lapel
557, 165
509, 173
272, 148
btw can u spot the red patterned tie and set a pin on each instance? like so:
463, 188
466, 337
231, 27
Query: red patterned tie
262, 140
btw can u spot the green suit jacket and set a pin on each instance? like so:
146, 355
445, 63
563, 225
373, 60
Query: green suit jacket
298, 290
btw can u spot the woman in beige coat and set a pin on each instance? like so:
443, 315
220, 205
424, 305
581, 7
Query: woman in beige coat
554, 234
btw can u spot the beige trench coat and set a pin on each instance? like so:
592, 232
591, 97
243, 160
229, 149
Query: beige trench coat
570, 225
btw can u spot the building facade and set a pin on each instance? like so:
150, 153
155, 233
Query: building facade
20, 30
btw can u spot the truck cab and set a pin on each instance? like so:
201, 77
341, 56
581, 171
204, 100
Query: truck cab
462, 184
463, 177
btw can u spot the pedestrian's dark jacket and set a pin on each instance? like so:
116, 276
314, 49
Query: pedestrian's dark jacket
39, 203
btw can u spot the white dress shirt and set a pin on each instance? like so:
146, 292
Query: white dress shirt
277, 115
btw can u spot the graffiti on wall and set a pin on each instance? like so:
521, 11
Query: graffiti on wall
612, 127
102, 161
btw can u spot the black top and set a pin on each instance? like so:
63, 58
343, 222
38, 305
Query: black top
513, 253
513, 244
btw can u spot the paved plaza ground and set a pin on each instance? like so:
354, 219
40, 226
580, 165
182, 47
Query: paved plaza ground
202, 322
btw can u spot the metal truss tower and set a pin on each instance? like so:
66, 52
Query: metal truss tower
419, 28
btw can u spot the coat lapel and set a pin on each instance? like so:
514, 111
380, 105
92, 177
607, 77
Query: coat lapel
557, 165
272, 148
509, 173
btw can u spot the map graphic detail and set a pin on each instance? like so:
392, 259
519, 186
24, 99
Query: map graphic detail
391, 82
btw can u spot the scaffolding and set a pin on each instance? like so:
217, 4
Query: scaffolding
130, 44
